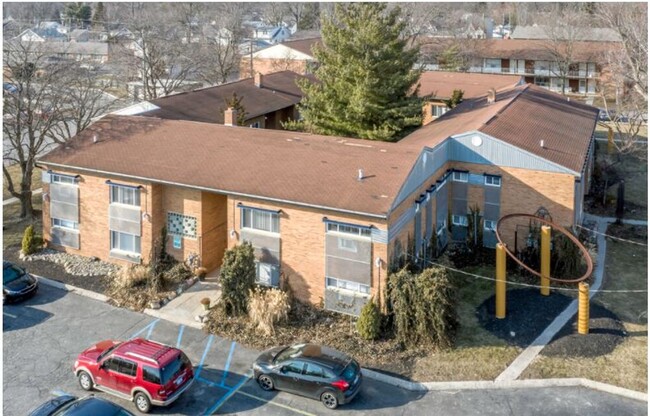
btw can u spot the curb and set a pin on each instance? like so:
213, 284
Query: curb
398, 382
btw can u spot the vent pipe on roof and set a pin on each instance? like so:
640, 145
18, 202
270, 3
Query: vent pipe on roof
541, 143
94, 138
491, 96
230, 117
360, 174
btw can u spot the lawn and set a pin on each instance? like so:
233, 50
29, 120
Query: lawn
14, 172
13, 227
627, 365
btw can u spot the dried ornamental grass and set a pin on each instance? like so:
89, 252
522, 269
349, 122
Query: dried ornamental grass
131, 276
266, 308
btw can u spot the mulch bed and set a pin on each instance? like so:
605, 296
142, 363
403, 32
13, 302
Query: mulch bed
53, 271
629, 232
528, 314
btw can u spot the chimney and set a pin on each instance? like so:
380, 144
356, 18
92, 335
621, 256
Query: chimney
258, 79
491, 96
230, 117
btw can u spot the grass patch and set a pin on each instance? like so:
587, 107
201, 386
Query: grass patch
13, 227
14, 172
626, 366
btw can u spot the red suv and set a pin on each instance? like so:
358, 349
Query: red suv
144, 371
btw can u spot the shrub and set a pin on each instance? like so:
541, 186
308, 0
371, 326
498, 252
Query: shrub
369, 323
423, 307
132, 276
237, 278
266, 307
31, 242
160, 260
177, 274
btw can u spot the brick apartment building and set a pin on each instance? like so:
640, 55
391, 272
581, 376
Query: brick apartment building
292, 55
330, 214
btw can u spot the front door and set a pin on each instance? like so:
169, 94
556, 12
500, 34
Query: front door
106, 373
289, 377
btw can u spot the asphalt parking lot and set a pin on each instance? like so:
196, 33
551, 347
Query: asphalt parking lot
43, 336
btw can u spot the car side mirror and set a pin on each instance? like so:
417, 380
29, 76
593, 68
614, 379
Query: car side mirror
283, 369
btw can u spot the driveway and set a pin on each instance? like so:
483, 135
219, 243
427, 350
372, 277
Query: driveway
43, 336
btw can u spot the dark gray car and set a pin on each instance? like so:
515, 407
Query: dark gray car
310, 370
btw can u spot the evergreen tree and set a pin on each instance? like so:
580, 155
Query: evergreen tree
237, 277
367, 85
455, 99
234, 102
99, 17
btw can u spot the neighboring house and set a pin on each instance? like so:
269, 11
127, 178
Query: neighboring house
438, 86
89, 52
267, 99
590, 34
28, 35
248, 46
271, 34
536, 60
330, 214
79, 35
292, 55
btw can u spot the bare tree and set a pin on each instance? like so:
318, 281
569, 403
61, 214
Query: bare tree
274, 12
43, 96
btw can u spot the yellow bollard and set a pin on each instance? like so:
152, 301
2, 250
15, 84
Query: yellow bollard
583, 308
501, 282
546, 260
610, 140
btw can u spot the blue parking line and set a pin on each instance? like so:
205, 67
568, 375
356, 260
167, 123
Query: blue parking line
205, 352
144, 329
180, 336
211, 383
225, 370
153, 324
228, 395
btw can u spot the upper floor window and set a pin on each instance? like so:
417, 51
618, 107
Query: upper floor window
460, 176
125, 195
438, 110
349, 229
491, 180
64, 179
261, 220
460, 220
71, 225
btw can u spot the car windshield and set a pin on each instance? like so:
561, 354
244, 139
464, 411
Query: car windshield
108, 351
174, 367
350, 371
289, 352
11, 273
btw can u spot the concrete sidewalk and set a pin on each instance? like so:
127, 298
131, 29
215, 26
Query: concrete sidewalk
14, 200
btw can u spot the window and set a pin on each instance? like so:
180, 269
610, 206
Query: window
460, 176
125, 195
438, 110
349, 229
347, 244
265, 273
150, 374
112, 364
181, 225
127, 367
255, 125
70, 225
260, 220
65, 179
313, 370
460, 220
489, 225
293, 367
347, 285
125, 242
491, 180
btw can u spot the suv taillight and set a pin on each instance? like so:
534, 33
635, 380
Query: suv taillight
341, 385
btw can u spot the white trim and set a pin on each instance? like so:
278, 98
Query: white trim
485, 180
460, 179
463, 223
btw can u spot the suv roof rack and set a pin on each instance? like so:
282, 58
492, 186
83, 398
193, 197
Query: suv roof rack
140, 356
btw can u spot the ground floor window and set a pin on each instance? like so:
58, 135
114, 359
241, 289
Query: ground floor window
69, 225
347, 285
489, 225
267, 274
124, 242
459, 220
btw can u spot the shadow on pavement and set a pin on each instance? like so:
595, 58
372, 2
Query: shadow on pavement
23, 314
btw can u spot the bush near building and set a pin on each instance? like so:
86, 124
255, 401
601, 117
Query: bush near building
369, 323
237, 278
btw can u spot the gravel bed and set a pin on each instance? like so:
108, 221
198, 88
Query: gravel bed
53, 266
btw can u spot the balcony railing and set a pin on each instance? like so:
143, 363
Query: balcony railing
523, 71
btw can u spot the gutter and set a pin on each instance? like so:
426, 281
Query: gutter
202, 188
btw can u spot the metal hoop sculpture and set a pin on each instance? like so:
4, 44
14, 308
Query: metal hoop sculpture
585, 253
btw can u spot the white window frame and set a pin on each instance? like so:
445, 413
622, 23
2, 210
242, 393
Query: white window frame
459, 220
490, 181
115, 245
347, 286
438, 110
63, 179
117, 195
258, 267
274, 220
65, 224
489, 225
347, 244
349, 229
460, 176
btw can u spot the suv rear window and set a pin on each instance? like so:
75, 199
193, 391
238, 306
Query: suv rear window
350, 371
174, 367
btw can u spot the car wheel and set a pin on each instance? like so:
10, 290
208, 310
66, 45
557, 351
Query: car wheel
85, 381
142, 402
329, 400
265, 382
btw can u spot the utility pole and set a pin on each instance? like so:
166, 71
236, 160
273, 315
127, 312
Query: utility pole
251, 59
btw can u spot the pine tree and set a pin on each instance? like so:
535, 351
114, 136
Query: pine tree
237, 278
234, 102
367, 86
456, 98
99, 17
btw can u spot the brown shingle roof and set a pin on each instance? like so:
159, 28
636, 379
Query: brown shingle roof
521, 116
442, 84
303, 168
278, 91
303, 45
